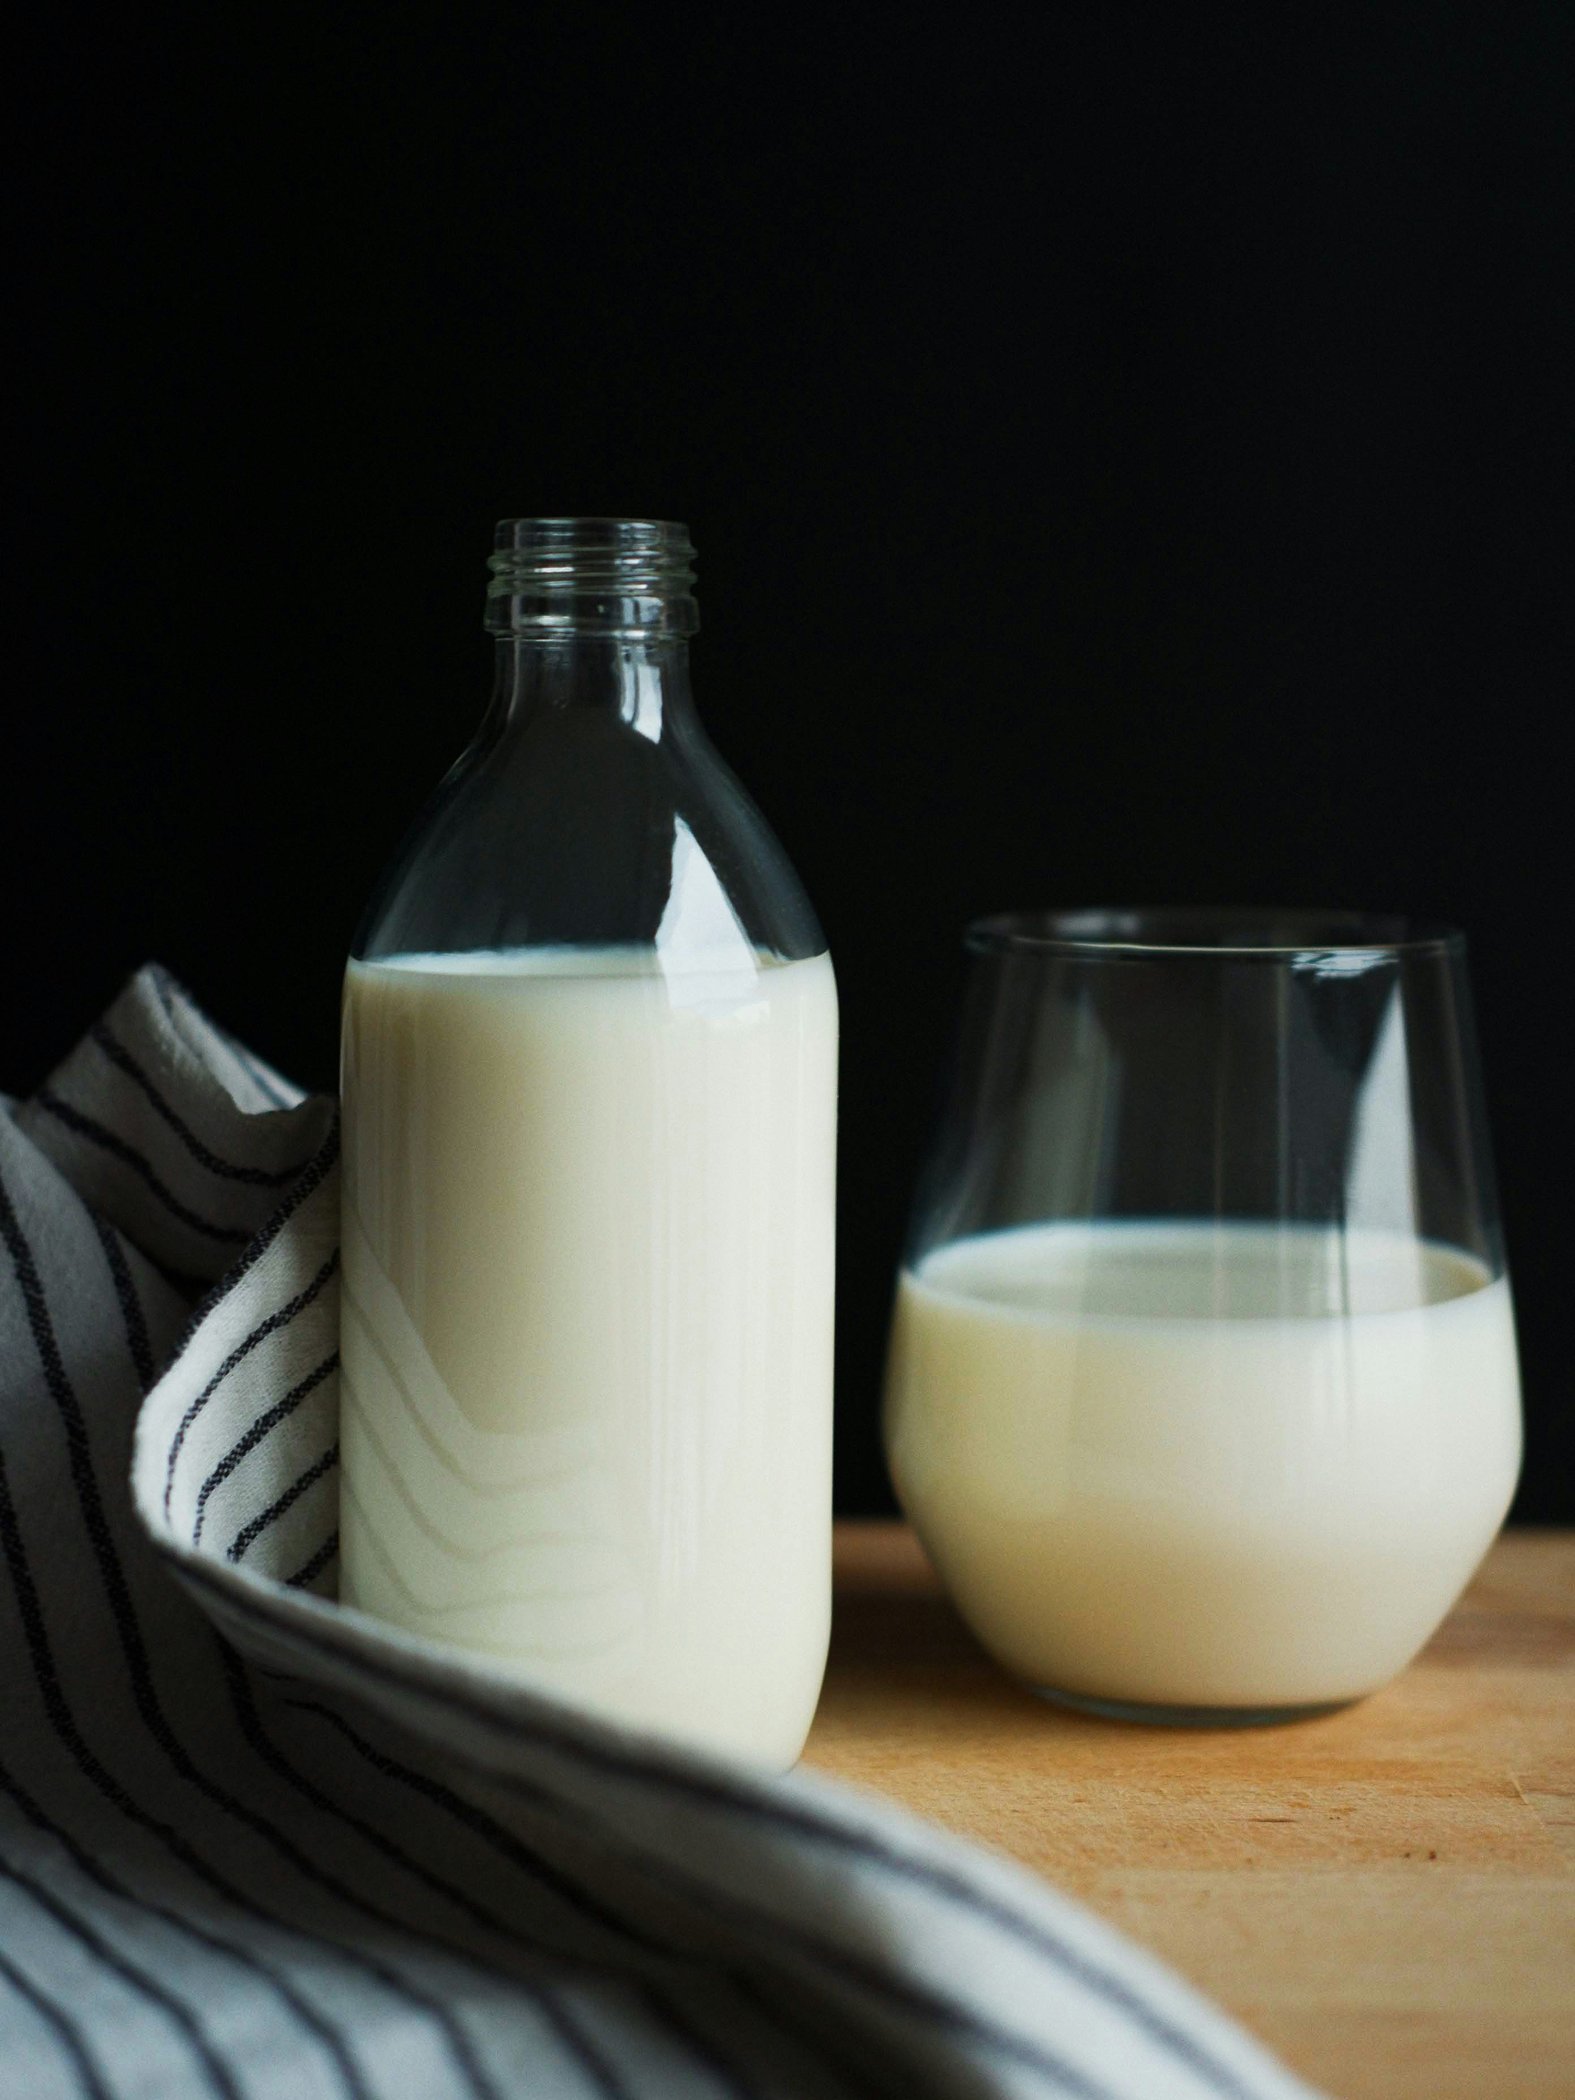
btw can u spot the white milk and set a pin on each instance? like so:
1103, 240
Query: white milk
587, 1327
1154, 1465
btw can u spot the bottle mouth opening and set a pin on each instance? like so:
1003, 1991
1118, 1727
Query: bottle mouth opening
591, 576
1265, 934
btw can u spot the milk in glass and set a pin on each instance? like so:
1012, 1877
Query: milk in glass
1200, 1465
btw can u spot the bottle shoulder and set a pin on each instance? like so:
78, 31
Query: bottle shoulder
577, 828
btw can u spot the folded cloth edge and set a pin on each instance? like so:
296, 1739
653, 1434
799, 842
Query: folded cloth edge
847, 1863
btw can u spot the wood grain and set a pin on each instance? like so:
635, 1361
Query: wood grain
1386, 1895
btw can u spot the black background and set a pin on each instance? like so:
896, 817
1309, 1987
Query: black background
1130, 461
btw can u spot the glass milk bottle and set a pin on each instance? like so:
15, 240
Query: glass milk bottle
589, 1078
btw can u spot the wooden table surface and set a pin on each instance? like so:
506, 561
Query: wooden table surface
1386, 1896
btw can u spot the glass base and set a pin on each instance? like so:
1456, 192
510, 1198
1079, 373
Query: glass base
1186, 1716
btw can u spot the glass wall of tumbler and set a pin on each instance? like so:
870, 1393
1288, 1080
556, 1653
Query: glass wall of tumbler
1203, 1391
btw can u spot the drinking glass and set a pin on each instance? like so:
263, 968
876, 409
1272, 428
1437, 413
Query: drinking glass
1202, 1392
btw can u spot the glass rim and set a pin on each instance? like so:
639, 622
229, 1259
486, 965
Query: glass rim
1237, 933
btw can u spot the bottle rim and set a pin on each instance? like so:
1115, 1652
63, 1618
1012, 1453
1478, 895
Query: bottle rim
609, 576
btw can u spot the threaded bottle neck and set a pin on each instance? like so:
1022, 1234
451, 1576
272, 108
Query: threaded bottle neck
591, 576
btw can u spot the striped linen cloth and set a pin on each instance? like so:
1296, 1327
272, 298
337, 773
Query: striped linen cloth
253, 1844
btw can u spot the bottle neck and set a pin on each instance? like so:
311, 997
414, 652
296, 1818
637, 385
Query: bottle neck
640, 680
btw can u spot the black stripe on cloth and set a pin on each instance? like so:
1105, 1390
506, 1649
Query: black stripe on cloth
836, 1962
144, 1695
106, 1041
63, 1722
314, 1564
138, 1340
533, 1864
60, 2026
260, 1333
658, 2002
591, 2058
715, 1792
321, 1167
112, 1142
216, 2073
267, 1421
96, 1871
249, 1534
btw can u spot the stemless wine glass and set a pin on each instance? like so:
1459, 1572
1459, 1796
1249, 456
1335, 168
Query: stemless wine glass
1203, 1392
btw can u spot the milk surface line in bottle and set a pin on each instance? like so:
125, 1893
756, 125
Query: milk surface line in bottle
589, 1078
